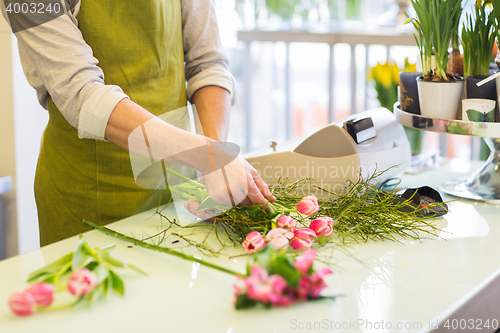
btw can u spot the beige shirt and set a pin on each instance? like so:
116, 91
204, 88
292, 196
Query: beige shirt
57, 61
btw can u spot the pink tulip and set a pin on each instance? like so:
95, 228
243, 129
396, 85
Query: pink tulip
286, 222
308, 205
258, 272
265, 288
322, 226
254, 242
302, 239
239, 286
310, 287
305, 261
316, 282
279, 238
22, 304
82, 282
43, 293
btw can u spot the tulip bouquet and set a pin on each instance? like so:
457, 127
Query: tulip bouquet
287, 234
86, 273
363, 212
274, 280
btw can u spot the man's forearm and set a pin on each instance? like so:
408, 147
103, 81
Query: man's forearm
213, 105
133, 128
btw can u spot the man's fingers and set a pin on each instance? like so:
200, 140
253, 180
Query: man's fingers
254, 193
262, 186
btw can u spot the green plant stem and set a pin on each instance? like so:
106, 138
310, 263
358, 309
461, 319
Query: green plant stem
193, 182
59, 274
145, 245
59, 307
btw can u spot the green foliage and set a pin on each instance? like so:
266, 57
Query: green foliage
244, 302
282, 8
478, 39
360, 214
97, 260
353, 9
277, 263
49, 272
435, 24
386, 96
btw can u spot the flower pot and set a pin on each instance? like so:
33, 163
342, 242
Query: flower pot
478, 109
486, 91
440, 100
408, 92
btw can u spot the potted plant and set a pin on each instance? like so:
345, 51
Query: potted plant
439, 92
478, 40
456, 60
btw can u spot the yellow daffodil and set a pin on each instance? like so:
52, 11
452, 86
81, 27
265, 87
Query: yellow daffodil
395, 74
409, 67
480, 2
387, 74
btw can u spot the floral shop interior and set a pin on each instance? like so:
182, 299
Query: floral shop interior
260, 165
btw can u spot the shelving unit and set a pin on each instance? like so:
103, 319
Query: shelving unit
484, 183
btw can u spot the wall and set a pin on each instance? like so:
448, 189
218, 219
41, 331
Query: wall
30, 120
7, 146
22, 121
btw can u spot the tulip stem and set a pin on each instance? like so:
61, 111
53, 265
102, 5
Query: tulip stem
63, 270
149, 246
59, 307
192, 182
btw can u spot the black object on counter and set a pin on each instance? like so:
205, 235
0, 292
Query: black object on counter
422, 197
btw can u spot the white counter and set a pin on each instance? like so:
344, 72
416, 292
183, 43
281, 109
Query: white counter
408, 285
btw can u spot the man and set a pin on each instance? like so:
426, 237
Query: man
106, 68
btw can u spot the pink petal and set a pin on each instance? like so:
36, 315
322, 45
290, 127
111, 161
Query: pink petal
279, 242
43, 293
22, 304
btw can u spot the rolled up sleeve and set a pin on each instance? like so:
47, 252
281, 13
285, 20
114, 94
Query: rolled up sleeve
206, 61
58, 62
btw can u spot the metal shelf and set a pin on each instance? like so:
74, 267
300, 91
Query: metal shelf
470, 128
484, 184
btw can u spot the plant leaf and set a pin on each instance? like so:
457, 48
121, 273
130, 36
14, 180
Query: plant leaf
136, 269
283, 267
117, 283
107, 258
80, 256
244, 302
101, 272
50, 269
209, 203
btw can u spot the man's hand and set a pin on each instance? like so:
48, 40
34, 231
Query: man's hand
191, 207
239, 184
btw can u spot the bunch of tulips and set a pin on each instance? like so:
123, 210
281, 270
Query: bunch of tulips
41, 295
280, 282
287, 234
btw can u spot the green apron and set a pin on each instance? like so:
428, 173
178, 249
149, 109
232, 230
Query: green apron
139, 47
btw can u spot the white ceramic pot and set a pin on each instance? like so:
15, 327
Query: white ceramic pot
440, 100
478, 109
